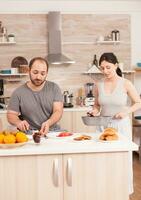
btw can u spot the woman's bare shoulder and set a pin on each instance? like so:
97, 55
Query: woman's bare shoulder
128, 84
127, 81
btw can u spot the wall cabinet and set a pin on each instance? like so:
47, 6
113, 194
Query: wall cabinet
64, 177
72, 121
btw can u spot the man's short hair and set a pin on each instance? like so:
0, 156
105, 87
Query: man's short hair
39, 59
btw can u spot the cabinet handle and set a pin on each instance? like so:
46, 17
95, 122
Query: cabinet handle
69, 172
56, 172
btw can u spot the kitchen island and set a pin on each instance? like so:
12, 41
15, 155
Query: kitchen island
64, 169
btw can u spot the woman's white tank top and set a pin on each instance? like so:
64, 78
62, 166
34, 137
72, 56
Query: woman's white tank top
114, 102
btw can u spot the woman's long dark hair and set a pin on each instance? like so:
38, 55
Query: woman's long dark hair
111, 58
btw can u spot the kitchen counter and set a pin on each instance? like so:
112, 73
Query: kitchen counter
68, 145
3, 111
75, 108
64, 169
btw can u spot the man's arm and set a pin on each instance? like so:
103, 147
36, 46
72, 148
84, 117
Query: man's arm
13, 118
55, 117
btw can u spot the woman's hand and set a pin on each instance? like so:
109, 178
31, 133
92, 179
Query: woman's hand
120, 115
94, 112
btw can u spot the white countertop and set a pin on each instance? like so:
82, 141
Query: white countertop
3, 111
75, 108
68, 145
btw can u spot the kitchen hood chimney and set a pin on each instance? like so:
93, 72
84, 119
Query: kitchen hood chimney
55, 55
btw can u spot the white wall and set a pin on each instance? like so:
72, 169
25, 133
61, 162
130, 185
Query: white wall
83, 6
100, 7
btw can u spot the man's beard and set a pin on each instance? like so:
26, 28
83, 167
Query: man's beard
37, 82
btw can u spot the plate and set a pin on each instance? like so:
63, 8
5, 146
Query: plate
108, 141
8, 146
83, 136
54, 135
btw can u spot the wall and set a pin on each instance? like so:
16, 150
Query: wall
79, 35
133, 8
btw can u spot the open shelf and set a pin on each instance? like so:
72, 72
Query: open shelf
138, 69
124, 72
18, 74
107, 42
7, 43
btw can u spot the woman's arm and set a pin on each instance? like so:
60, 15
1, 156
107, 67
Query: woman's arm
132, 93
135, 98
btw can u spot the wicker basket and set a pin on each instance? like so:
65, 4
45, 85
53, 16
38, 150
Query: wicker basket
23, 69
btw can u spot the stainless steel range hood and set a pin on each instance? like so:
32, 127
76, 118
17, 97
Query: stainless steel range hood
55, 55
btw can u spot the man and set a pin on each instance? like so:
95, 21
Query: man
39, 102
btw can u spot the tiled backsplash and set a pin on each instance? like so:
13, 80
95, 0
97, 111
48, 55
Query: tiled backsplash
79, 34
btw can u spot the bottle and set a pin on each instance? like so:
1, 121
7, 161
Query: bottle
95, 61
117, 35
11, 38
113, 35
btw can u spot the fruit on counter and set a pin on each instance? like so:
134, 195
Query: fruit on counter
64, 134
37, 137
1, 138
11, 137
21, 137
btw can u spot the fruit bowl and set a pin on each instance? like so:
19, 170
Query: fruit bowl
9, 146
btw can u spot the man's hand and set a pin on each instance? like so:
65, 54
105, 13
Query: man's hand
44, 128
23, 125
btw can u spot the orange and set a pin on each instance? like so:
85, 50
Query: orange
21, 137
9, 139
1, 138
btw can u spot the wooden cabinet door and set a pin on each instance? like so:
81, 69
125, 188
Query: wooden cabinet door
100, 176
66, 121
3, 118
31, 177
78, 125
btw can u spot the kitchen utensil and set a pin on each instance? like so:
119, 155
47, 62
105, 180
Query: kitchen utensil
29, 131
139, 64
97, 120
37, 137
1, 87
5, 71
19, 60
89, 100
68, 99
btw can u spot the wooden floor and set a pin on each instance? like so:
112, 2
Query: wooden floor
137, 178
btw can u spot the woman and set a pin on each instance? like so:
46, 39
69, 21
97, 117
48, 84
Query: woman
111, 96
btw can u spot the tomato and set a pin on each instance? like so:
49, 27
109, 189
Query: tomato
64, 134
